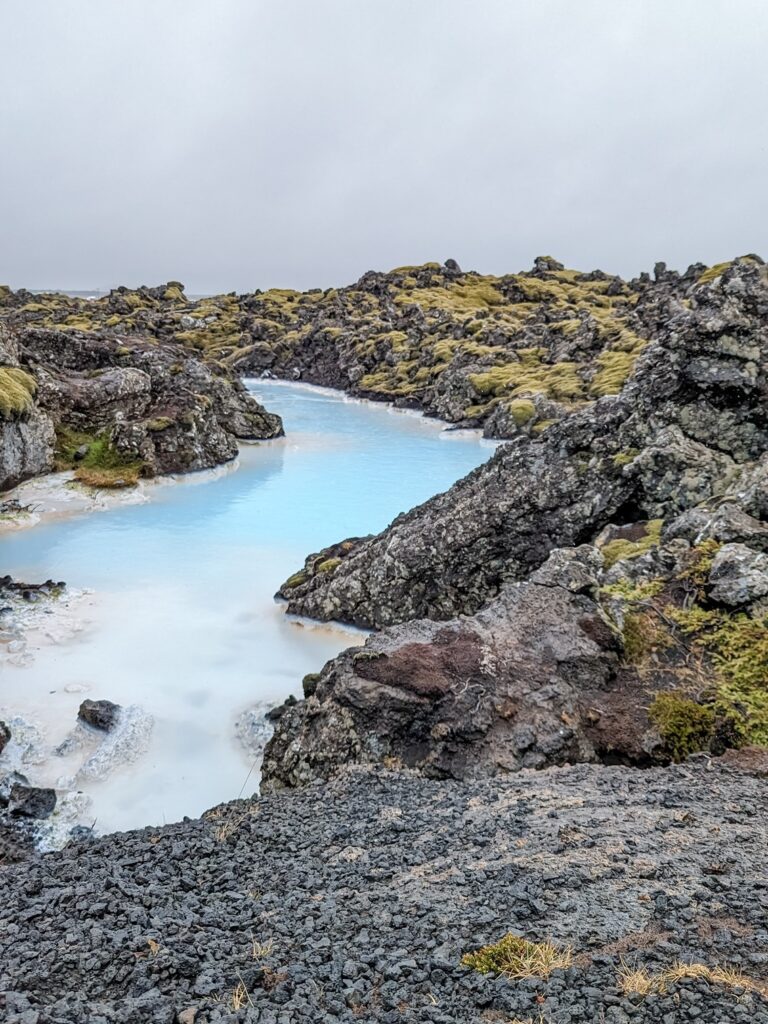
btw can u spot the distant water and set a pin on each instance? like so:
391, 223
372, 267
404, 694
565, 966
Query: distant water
183, 621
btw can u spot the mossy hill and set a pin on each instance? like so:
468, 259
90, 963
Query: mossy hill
511, 353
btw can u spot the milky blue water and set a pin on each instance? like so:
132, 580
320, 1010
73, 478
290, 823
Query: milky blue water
182, 620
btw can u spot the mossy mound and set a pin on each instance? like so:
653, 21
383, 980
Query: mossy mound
101, 465
17, 392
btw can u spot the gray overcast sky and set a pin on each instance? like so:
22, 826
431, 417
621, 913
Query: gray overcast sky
235, 144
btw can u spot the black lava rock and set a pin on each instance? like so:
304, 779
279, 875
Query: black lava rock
101, 714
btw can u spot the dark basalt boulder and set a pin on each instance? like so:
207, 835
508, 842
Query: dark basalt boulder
642, 648
519, 685
31, 801
101, 714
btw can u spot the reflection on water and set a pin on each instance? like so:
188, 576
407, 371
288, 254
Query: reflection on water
182, 621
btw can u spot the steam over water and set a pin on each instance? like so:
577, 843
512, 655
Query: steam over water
182, 622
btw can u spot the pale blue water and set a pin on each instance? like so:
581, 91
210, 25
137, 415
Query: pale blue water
183, 620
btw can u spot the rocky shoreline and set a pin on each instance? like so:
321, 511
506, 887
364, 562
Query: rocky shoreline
558, 730
597, 593
116, 409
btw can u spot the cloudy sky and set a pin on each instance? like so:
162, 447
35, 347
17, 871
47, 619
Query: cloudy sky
235, 144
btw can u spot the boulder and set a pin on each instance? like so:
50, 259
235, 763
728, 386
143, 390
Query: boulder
739, 576
5, 735
534, 679
31, 801
7, 782
101, 714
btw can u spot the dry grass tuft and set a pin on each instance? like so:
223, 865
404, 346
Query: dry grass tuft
260, 950
639, 981
229, 820
635, 981
515, 957
240, 997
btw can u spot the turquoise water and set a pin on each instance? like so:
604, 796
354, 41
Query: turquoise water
182, 619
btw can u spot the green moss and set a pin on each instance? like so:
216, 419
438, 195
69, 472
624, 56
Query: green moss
620, 549
683, 725
158, 424
17, 392
295, 581
522, 410
615, 368
102, 465
624, 458
737, 648
329, 565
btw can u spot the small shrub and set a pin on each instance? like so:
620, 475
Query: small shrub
737, 647
515, 957
309, 683
643, 635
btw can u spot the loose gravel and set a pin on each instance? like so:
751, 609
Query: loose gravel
354, 901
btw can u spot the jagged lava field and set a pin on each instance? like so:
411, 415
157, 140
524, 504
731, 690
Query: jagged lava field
536, 793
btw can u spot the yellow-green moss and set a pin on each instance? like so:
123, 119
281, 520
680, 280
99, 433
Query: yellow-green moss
712, 272
295, 581
158, 424
530, 376
467, 297
621, 549
174, 292
17, 392
542, 425
737, 647
521, 410
329, 565
624, 458
615, 368
78, 323
683, 725
626, 590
